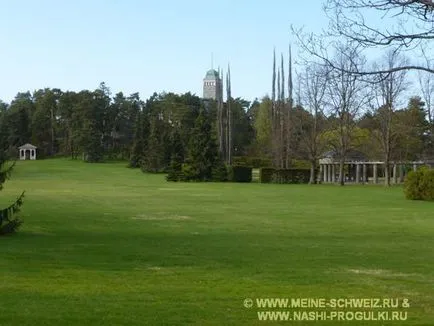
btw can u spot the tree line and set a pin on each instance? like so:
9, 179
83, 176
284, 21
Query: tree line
95, 126
329, 114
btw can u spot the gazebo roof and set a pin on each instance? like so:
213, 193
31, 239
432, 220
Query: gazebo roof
27, 146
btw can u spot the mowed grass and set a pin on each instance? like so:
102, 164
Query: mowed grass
107, 245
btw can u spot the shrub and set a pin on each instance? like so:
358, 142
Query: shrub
270, 175
175, 172
265, 175
220, 172
419, 185
240, 174
291, 176
188, 172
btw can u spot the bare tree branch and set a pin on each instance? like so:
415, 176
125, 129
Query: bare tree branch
401, 25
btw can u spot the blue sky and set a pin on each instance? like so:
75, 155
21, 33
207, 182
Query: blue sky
145, 46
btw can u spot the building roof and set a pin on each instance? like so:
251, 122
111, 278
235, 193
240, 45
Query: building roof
212, 74
351, 155
27, 146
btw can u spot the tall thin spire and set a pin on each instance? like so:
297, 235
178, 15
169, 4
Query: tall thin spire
283, 78
290, 86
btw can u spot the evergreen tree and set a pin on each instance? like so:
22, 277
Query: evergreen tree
157, 153
177, 157
43, 121
93, 148
140, 141
89, 124
19, 120
8, 223
204, 163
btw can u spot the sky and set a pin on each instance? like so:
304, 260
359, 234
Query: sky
146, 46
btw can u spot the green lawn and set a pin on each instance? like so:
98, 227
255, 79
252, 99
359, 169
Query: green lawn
107, 245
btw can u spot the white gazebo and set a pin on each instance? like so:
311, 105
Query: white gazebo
27, 152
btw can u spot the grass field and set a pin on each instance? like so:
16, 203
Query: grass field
107, 245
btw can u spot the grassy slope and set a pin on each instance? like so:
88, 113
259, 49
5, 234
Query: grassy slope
106, 245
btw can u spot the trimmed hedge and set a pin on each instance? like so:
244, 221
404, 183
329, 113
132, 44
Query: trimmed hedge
419, 185
240, 174
270, 175
266, 175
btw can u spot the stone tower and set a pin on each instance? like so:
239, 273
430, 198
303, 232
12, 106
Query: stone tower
212, 85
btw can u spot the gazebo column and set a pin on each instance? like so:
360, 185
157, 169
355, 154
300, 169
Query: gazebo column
365, 172
375, 173
395, 175
357, 172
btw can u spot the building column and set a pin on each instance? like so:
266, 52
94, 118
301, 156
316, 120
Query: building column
320, 175
331, 173
324, 173
375, 173
339, 172
395, 175
414, 167
401, 173
334, 173
365, 171
357, 173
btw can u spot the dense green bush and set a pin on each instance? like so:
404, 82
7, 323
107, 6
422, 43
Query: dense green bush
190, 172
419, 185
270, 175
240, 174
220, 172
175, 170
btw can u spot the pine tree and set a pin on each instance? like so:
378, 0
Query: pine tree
204, 162
93, 148
140, 141
177, 157
157, 153
8, 223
